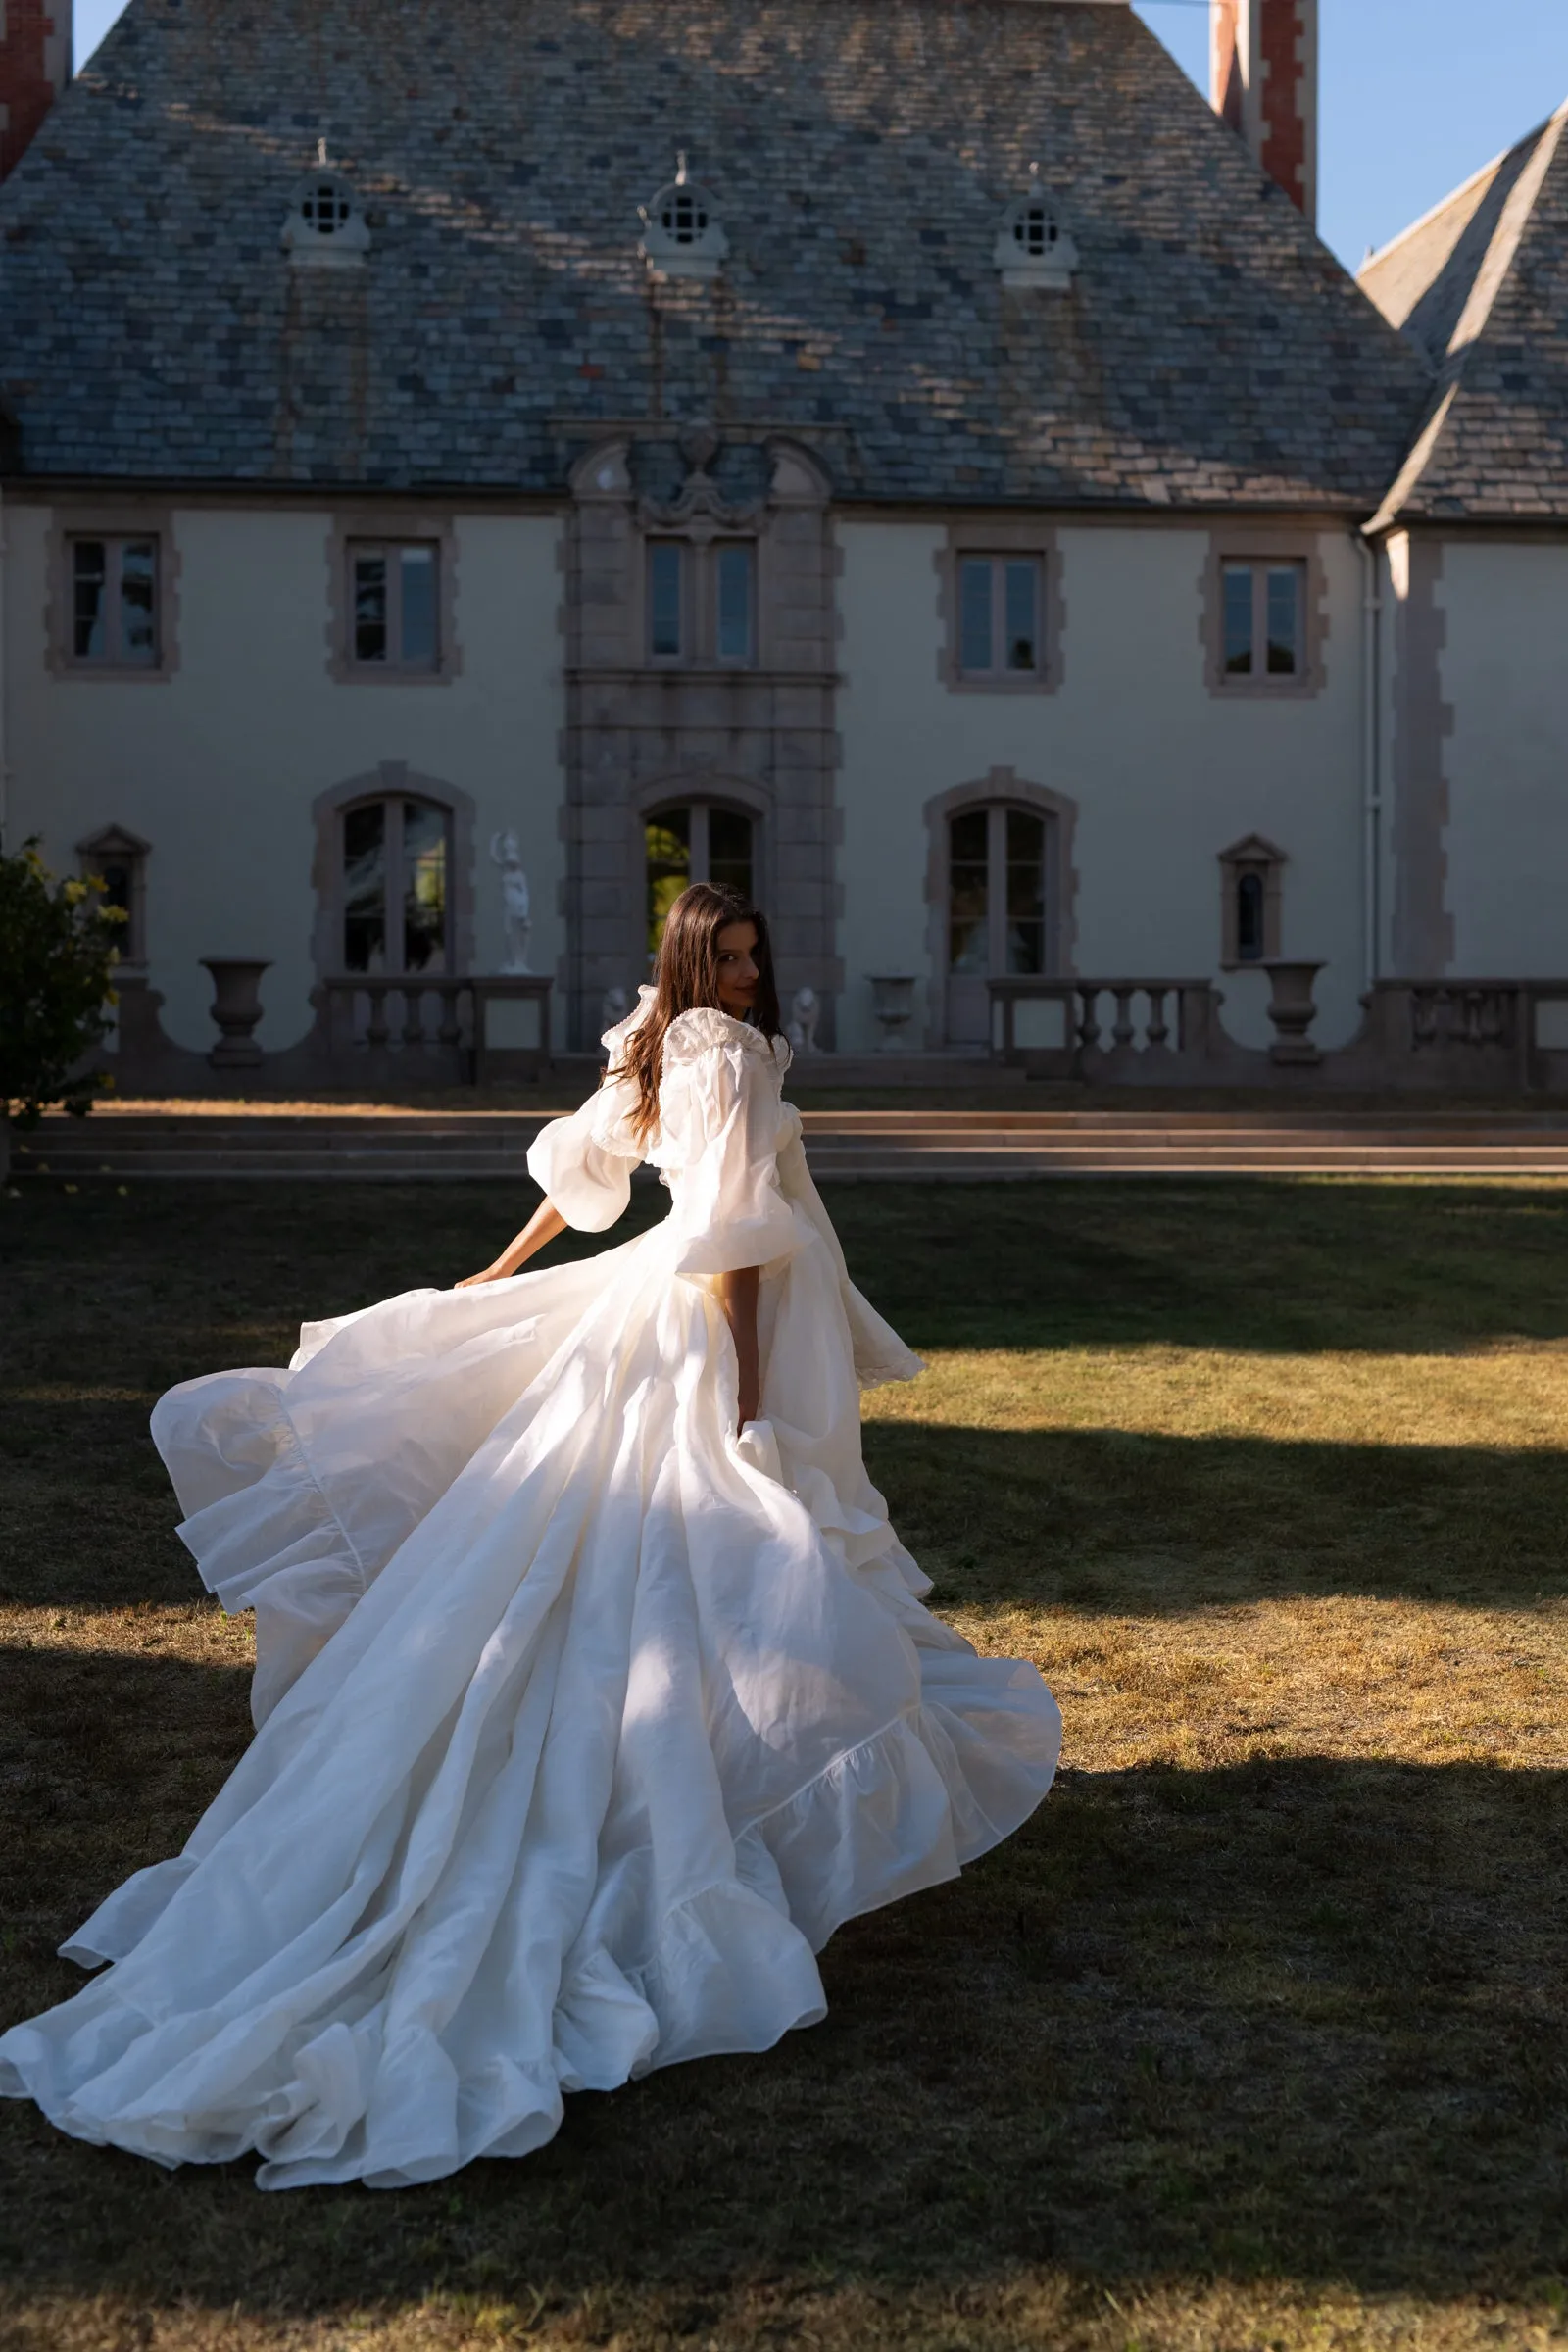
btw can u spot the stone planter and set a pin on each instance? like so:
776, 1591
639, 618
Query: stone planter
893, 1002
236, 1008
1293, 1011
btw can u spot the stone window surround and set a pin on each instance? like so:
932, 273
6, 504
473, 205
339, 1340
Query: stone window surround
1002, 538
1005, 786
1264, 543
381, 522
1251, 855
118, 842
392, 779
119, 520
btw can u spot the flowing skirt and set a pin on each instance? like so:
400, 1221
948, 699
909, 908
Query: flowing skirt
583, 1723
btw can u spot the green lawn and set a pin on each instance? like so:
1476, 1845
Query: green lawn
1253, 2038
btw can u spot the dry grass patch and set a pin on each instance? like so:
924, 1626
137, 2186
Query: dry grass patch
1252, 2042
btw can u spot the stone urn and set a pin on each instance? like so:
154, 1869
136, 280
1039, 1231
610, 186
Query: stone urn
1293, 1011
893, 1002
236, 1008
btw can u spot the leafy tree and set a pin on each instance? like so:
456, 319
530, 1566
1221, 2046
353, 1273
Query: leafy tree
57, 956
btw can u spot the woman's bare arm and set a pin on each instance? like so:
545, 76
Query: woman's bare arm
543, 1226
738, 1298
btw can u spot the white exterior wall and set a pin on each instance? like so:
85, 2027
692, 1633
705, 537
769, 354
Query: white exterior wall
217, 766
1166, 773
1504, 670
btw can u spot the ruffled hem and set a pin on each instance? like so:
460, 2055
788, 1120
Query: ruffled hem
730, 1969
272, 1543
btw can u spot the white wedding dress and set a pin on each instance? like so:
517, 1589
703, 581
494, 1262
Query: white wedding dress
582, 1722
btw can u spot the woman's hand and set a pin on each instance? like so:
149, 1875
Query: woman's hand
543, 1226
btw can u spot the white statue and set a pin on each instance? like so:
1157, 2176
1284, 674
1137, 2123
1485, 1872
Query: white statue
515, 910
614, 1008
805, 1011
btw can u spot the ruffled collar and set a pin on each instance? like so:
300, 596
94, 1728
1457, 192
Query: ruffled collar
702, 1026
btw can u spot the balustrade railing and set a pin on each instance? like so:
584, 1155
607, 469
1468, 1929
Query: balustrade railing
435, 1024
1105, 1023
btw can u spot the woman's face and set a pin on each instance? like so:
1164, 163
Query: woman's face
737, 969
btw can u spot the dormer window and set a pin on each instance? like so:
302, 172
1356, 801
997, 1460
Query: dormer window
324, 228
1034, 246
682, 236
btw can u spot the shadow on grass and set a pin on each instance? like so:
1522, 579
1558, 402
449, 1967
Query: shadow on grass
1105, 1520
1297, 2019
1116, 1521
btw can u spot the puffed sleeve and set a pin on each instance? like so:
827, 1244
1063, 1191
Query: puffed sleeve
720, 1113
584, 1164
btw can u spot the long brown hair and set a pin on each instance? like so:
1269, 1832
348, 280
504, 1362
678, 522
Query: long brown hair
687, 976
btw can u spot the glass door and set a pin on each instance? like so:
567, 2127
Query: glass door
997, 900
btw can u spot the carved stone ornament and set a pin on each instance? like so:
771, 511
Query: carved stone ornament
700, 513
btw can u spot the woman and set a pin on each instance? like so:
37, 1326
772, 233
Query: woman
593, 1689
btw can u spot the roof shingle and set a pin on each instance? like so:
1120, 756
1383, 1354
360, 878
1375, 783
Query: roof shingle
1210, 352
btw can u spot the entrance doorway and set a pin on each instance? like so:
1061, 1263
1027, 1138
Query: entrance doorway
695, 841
997, 915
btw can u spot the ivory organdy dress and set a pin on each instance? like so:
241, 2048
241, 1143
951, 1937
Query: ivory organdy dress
582, 1722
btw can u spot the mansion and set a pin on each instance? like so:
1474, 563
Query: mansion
466, 471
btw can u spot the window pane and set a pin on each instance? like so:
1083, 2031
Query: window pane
1250, 919
968, 891
365, 889
139, 641
1284, 621
424, 887
729, 849
369, 607
417, 568
734, 631
663, 598
1239, 620
1026, 892
87, 600
1022, 624
667, 841
974, 592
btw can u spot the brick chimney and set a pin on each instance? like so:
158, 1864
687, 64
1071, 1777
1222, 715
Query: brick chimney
1263, 80
34, 68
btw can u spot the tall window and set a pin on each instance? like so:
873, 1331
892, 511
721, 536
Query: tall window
114, 602
667, 631
701, 601
999, 616
396, 604
1264, 620
1251, 874
396, 865
120, 861
997, 902
699, 842
1250, 947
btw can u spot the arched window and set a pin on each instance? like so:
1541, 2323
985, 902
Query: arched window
998, 910
395, 863
1034, 245
695, 841
1252, 872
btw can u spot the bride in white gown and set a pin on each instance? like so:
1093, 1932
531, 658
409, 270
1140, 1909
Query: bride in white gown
593, 1688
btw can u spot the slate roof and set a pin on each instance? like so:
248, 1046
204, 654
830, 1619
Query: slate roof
1211, 351
1481, 286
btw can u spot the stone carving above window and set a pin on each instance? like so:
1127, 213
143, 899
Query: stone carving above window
325, 227
699, 511
1034, 245
682, 234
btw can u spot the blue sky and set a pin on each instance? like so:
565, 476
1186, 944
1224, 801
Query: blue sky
1416, 94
